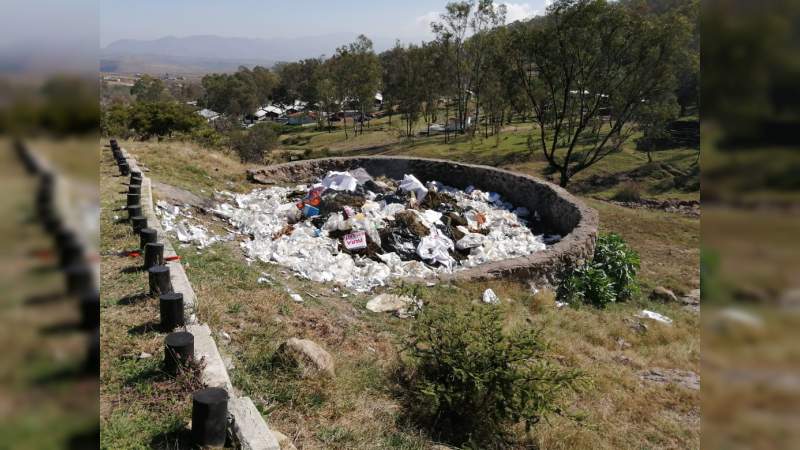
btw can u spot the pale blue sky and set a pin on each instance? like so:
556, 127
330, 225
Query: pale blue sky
403, 19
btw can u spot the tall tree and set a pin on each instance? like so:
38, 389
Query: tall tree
582, 57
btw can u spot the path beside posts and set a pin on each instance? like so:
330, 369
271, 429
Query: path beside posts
245, 421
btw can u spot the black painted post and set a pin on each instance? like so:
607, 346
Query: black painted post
113, 143
135, 189
158, 280
70, 252
133, 211
139, 223
92, 363
133, 199
136, 181
153, 255
170, 306
80, 279
136, 174
147, 236
124, 169
210, 417
178, 351
90, 310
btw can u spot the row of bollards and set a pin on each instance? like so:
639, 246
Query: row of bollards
210, 405
71, 252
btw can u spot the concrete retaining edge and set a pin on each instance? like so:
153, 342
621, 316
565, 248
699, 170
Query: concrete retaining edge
245, 421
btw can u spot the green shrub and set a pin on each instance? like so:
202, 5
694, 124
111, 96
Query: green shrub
252, 144
470, 382
619, 262
609, 277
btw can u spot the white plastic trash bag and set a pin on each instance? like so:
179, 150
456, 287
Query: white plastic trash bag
340, 181
470, 240
652, 315
490, 297
410, 183
435, 247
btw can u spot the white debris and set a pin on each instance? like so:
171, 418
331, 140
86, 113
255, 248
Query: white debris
294, 295
340, 181
401, 305
263, 215
652, 315
560, 305
490, 297
264, 278
174, 219
410, 183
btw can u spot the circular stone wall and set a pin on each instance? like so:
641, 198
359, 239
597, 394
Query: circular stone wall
560, 211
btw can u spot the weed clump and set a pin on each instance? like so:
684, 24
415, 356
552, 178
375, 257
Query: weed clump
609, 277
470, 382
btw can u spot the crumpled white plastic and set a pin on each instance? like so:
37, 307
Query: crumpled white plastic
470, 240
490, 297
174, 219
435, 247
410, 183
652, 315
340, 181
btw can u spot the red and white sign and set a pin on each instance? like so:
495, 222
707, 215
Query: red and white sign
355, 241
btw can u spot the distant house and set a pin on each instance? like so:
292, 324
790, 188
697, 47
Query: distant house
208, 114
301, 118
296, 107
378, 100
269, 112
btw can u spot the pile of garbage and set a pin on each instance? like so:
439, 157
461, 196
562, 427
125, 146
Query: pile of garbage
360, 231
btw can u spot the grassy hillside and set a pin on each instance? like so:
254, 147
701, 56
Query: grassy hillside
360, 408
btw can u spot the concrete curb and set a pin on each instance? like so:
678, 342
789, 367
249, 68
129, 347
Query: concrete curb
245, 421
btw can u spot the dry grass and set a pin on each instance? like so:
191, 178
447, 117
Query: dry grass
358, 408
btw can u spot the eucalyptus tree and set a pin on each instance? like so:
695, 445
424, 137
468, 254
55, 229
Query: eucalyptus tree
587, 68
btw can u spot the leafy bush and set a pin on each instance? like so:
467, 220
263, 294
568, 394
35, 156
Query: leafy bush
470, 382
587, 284
609, 277
251, 145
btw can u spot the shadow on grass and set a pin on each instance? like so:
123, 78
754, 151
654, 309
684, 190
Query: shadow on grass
147, 327
132, 269
84, 440
45, 299
133, 299
179, 439
62, 328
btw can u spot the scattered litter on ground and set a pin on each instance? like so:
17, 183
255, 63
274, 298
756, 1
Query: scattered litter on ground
685, 378
560, 305
360, 231
490, 297
652, 315
145, 355
264, 278
174, 219
294, 295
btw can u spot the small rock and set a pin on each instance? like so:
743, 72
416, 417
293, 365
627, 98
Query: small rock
490, 297
225, 336
692, 298
636, 325
663, 294
307, 355
294, 295
685, 378
145, 355
283, 441
737, 318
622, 344
401, 305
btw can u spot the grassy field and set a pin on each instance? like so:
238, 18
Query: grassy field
360, 408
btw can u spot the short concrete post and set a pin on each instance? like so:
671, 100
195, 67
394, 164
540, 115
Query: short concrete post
124, 169
178, 351
139, 223
136, 181
133, 211
80, 279
147, 236
134, 189
210, 417
158, 280
136, 174
170, 306
90, 310
153, 255
133, 199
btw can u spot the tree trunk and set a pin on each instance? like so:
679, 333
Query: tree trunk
564, 177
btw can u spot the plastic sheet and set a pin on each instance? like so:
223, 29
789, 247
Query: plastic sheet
410, 183
340, 181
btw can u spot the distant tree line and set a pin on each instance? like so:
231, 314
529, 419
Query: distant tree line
588, 73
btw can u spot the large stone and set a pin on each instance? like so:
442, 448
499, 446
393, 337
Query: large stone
663, 294
398, 304
308, 356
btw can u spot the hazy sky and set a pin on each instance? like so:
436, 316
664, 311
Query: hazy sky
403, 19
